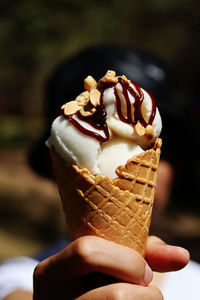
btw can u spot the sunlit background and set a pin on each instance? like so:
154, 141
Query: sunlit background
35, 36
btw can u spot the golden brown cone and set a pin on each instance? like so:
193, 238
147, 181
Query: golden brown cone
117, 210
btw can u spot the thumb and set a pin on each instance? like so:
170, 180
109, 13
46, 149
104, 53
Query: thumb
165, 258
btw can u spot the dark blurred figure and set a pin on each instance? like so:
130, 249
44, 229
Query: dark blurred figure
151, 73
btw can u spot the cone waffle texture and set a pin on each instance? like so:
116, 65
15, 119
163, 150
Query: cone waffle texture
117, 210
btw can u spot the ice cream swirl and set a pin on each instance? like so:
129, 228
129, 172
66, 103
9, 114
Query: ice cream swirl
128, 105
108, 123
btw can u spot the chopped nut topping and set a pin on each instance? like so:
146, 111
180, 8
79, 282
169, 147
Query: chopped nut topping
125, 79
85, 103
90, 83
70, 108
109, 77
149, 131
110, 73
139, 129
95, 97
83, 98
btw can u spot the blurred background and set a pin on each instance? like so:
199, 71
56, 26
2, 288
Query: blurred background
35, 36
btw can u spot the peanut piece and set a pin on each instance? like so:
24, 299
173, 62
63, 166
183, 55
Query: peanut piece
139, 129
149, 131
110, 76
83, 98
110, 73
90, 83
71, 108
95, 97
125, 79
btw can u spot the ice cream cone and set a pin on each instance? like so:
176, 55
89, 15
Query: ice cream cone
115, 209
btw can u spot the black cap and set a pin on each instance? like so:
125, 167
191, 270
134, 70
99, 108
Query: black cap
66, 82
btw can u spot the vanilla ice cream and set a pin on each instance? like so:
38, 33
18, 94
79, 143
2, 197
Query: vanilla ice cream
106, 125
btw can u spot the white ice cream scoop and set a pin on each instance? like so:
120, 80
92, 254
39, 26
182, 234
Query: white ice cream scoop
106, 125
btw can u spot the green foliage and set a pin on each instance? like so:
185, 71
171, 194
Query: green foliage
36, 34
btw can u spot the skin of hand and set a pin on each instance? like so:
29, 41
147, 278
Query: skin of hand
94, 268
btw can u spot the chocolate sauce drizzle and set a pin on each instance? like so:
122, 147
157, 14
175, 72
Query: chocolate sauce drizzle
98, 119
139, 97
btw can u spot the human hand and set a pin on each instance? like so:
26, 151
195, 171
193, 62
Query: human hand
94, 268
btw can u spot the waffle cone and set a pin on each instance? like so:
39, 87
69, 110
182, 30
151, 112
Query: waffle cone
118, 209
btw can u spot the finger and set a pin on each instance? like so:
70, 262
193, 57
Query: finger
93, 254
123, 291
164, 258
100, 255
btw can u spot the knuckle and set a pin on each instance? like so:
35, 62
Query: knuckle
38, 275
138, 267
118, 293
37, 271
40, 270
123, 291
155, 239
83, 249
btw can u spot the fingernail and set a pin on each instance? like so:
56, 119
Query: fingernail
148, 275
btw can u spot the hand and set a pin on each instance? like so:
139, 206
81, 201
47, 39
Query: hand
87, 268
